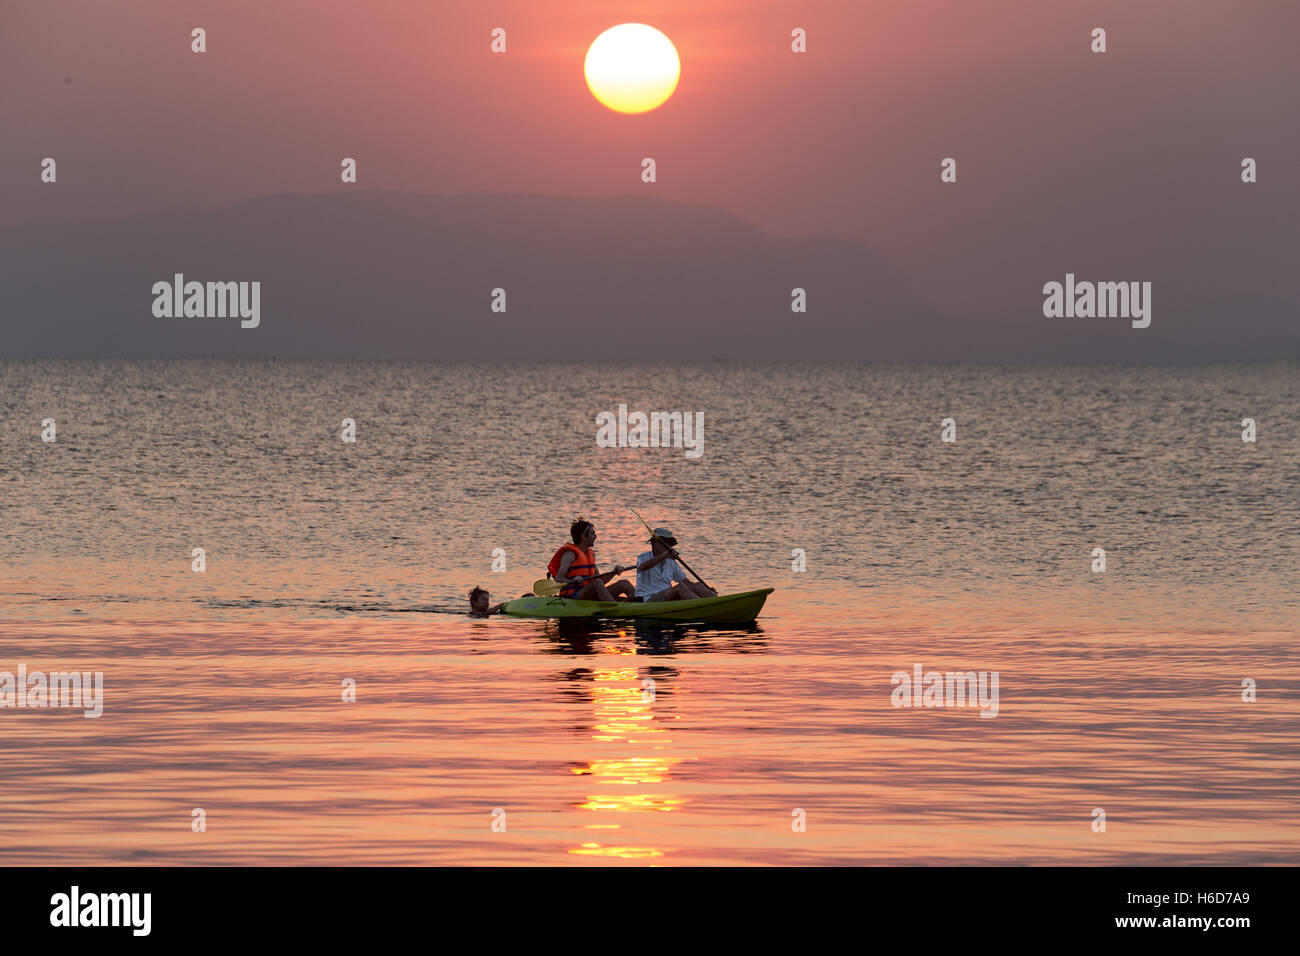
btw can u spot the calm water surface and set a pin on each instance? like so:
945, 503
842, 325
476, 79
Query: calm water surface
326, 561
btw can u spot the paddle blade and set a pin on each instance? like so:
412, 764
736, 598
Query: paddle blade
644, 522
545, 587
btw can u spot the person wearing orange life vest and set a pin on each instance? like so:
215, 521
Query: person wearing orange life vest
574, 566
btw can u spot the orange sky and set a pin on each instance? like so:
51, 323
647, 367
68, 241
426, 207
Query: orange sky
844, 140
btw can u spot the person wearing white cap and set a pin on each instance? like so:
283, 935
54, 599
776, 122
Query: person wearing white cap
660, 578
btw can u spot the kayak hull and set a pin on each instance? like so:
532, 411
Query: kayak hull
739, 608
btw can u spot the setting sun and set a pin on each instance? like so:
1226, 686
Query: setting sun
632, 68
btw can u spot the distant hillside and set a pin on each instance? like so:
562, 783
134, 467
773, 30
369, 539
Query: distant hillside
375, 274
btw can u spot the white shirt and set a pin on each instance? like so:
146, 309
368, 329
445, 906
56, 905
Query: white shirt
659, 578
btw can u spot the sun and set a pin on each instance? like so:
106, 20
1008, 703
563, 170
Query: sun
632, 68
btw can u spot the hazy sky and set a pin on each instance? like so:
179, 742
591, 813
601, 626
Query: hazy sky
1065, 158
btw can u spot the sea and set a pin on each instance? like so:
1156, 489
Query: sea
289, 674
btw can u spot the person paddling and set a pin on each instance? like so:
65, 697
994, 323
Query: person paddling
574, 566
660, 578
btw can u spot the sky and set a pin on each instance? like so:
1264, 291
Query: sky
1127, 162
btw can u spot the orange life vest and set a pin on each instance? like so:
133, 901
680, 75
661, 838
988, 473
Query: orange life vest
583, 566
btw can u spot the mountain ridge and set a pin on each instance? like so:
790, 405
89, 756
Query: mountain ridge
391, 274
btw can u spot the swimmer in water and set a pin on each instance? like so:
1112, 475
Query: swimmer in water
478, 603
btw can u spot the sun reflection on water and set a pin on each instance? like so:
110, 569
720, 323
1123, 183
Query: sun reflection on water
623, 852
623, 713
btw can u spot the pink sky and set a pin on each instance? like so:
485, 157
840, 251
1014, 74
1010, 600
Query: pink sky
844, 140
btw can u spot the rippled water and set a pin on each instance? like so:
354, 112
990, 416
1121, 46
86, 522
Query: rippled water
1119, 690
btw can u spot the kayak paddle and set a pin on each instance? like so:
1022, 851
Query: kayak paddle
547, 587
677, 559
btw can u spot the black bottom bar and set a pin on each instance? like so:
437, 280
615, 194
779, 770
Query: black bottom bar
301, 905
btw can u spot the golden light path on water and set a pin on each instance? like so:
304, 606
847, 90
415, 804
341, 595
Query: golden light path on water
624, 716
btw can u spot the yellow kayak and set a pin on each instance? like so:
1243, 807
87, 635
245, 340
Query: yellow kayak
739, 608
